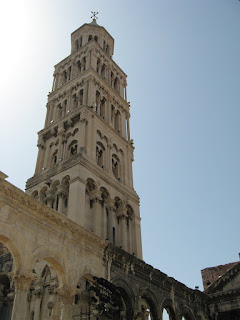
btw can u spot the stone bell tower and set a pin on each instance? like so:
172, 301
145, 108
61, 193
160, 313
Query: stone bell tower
84, 164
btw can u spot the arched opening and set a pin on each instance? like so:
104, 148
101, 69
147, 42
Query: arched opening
102, 108
35, 195
117, 119
73, 148
89, 37
116, 84
96, 38
147, 308
103, 71
43, 194
6, 283
100, 154
168, 313
54, 159
97, 105
81, 97
116, 166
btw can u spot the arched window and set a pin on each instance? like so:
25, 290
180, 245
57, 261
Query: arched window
98, 65
116, 84
75, 101
104, 45
73, 148
102, 108
117, 120
54, 159
76, 45
43, 194
79, 66
84, 63
59, 111
103, 71
97, 101
80, 42
108, 50
100, 154
96, 38
35, 194
64, 76
116, 166
89, 37
81, 97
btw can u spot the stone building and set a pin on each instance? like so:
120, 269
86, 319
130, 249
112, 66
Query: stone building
71, 245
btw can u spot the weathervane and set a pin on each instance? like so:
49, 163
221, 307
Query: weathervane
94, 15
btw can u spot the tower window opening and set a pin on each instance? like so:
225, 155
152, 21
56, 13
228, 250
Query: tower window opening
79, 65
76, 44
107, 49
115, 166
84, 63
81, 97
97, 101
75, 102
104, 45
65, 76
103, 71
80, 44
102, 108
99, 154
89, 37
96, 38
114, 235
98, 65
73, 148
116, 84
69, 73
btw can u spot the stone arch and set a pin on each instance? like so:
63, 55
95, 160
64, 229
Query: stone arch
148, 296
35, 194
53, 257
168, 305
127, 295
17, 246
72, 148
187, 314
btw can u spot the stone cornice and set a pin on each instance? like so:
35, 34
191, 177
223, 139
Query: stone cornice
137, 268
19, 199
86, 161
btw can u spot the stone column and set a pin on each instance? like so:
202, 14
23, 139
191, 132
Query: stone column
38, 298
124, 125
41, 154
22, 284
91, 94
60, 148
83, 125
110, 207
123, 224
61, 192
66, 296
76, 201
128, 128
95, 197
85, 93
50, 196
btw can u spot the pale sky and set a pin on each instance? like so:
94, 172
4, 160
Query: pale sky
182, 59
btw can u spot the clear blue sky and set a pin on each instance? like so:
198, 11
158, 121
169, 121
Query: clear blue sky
183, 64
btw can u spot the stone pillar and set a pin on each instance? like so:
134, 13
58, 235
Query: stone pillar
66, 296
38, 298
76, 201
110, 207
85, 93
91, 94
60, 148
122, 215
83, 125
128, 128
95, 197
41, 154
124, 133
22, 284
61, 192
50, 196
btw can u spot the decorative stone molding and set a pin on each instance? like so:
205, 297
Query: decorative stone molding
66, 294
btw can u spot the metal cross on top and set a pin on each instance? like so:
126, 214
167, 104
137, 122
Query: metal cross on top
94, 15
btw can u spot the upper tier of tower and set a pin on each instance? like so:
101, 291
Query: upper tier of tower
92, 31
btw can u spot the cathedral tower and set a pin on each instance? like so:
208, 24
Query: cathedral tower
84, 164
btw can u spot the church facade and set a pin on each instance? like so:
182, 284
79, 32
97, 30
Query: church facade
71, 245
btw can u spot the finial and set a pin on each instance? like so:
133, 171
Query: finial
94, 15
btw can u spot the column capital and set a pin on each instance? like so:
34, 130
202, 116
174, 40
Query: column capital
66, 294
95, 195
22, 281
109, 203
